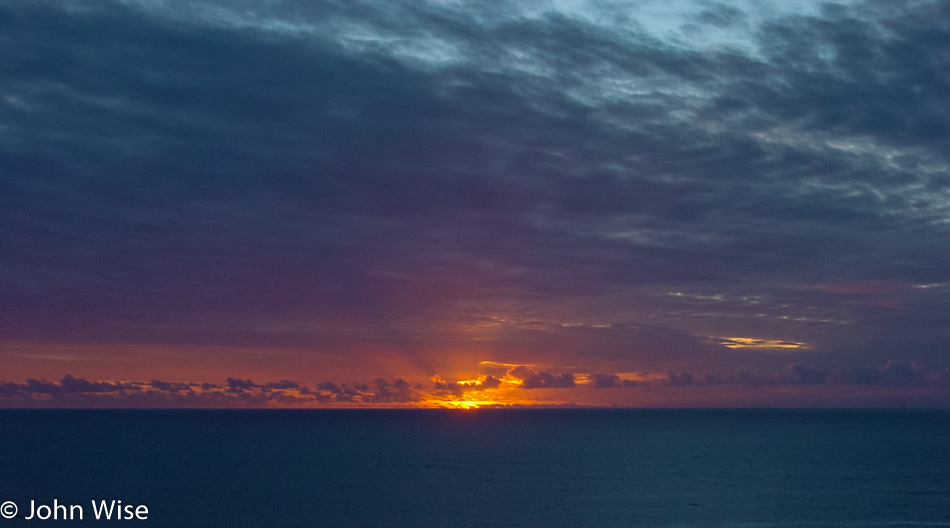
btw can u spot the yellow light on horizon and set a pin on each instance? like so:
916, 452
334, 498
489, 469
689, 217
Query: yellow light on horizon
755, 343
460, 404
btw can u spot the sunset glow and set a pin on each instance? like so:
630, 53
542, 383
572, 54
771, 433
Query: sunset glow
754, 343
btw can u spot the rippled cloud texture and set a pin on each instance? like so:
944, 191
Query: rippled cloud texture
599, 193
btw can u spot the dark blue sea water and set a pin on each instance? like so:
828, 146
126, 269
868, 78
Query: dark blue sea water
494, 468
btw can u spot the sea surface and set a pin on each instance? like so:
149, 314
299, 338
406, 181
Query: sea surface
484, 468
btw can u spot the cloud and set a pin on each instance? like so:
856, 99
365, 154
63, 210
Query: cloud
172, 387
78, 392
460, 387
679, 378
489, 382
541, 380
282, 384
332, 388
805, 374
519, 388
398, 391
892, 373
603, 381
521, 372
238, 385
370, 175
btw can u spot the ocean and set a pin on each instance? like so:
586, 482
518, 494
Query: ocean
483, 468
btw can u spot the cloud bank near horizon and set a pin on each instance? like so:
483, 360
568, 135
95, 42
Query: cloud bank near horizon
516, 388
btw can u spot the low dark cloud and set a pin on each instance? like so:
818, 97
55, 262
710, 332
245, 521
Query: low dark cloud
282, 384
489, 382
70, 391
332, 388
892, 373
805, 374
238, 385
541, 380
399, 391
679, 378
458, 388
606, 381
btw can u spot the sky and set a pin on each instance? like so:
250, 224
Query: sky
461, 203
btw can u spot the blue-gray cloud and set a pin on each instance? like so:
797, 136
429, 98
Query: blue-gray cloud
334, 175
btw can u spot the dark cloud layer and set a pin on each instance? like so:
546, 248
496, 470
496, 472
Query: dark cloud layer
70, 391
542, 380
588, 191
